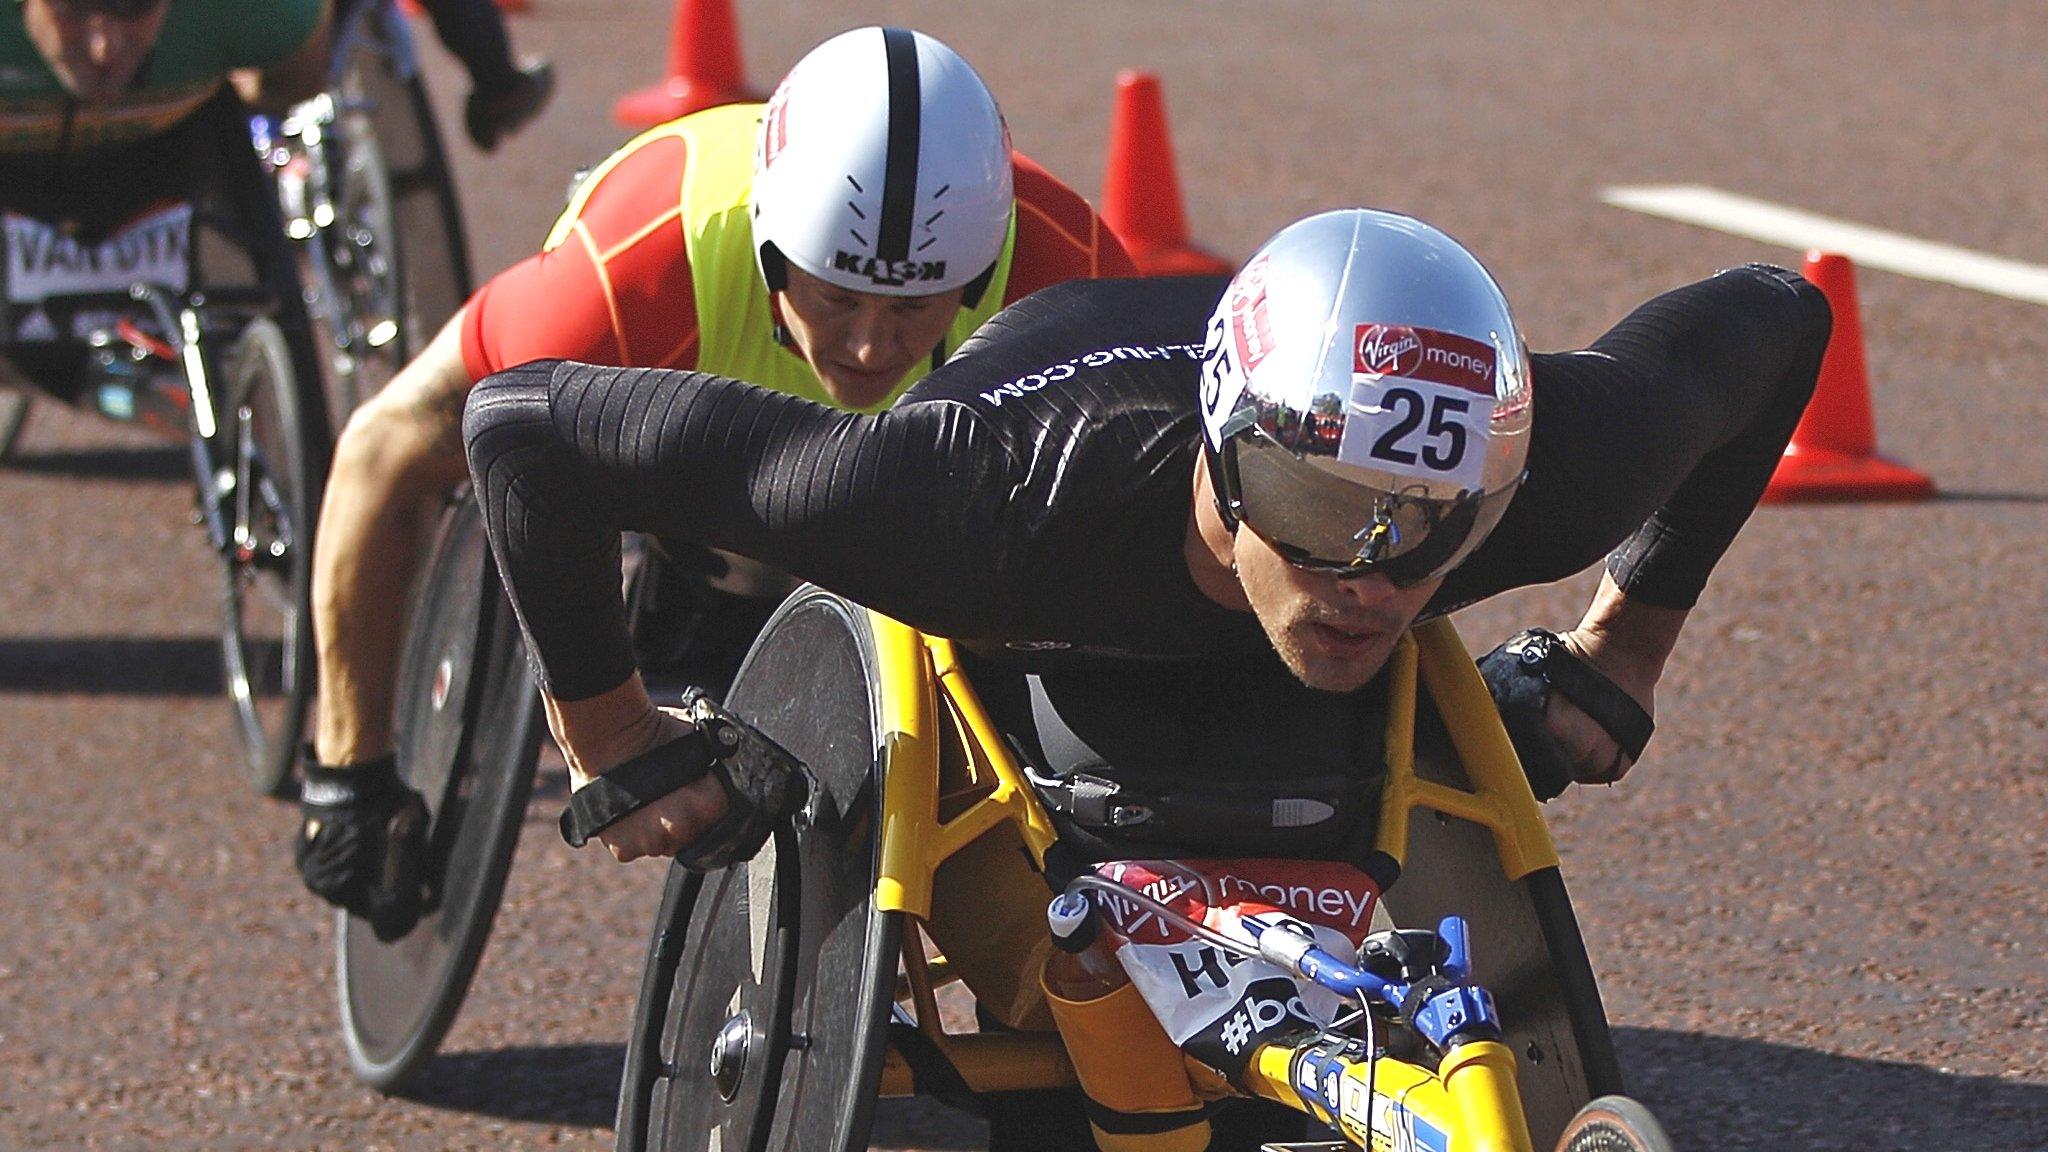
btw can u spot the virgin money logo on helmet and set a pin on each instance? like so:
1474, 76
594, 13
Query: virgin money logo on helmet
894, 273
1387, 350
1383, 350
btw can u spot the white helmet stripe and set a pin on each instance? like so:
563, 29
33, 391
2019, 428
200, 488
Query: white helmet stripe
899, 181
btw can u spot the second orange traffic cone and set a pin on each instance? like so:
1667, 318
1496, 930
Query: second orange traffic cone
1140, 192
1833, 453
704, 68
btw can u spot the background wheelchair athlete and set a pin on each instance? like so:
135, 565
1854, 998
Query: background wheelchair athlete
1243, 502
132, 194
707, 242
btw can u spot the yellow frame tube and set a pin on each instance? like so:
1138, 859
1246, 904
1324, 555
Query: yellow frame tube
1500, 799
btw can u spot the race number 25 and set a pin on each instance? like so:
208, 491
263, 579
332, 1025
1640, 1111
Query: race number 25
1416, 428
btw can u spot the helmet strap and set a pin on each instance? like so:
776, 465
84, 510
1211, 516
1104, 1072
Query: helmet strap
1222, 484
774, 272
970, 296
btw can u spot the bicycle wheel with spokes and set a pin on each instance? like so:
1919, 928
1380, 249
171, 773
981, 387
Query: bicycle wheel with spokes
1614, 1124
468, 737
433, 267
266, 637
763, 1007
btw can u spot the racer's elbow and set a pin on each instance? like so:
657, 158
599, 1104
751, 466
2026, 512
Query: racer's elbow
506, 416
1803, 324
510, 437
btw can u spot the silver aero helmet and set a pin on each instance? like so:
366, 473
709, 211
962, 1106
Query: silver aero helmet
883, 166
1365, 397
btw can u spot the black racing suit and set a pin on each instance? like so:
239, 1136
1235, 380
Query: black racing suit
1033, 493
1031, 497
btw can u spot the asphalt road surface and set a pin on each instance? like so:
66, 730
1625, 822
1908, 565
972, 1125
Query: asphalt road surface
1817, 909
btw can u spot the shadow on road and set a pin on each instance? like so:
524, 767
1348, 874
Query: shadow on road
1729, 1094
165, 462
114, 665
1710, 1092
1992, 497
575, 1084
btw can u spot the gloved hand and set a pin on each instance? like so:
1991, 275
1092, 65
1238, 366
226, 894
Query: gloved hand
1523, 672
363, 845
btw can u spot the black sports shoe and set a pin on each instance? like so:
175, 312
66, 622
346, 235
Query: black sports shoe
493, 115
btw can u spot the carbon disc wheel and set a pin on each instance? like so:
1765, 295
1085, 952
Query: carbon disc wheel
763, 1007
1614, 1124
468, 737
267, 497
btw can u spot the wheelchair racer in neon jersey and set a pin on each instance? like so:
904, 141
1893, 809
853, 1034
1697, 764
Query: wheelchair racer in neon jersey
834, 244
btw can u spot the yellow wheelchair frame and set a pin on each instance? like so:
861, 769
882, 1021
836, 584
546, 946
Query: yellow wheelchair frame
959, 851
930, 708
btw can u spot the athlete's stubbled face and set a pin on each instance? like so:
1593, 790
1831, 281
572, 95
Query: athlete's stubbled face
93, 54
862, 344
1334, 635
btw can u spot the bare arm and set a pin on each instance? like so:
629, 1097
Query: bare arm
394, 466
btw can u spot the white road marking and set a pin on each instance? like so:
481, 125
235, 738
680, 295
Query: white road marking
1870, 247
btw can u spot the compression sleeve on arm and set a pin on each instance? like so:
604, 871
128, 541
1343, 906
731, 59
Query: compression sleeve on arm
1659, 438
565, 456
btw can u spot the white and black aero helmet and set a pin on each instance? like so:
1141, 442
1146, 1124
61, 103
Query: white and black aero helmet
1365, 397
883, 166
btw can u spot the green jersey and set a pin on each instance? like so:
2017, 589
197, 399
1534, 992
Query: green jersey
201, 42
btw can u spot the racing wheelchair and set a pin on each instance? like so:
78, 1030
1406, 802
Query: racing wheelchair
783, 996
245, 302
155, 286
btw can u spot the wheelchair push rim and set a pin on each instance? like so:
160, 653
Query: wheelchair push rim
1614, 1124
469, 722
266, 641
763, 1008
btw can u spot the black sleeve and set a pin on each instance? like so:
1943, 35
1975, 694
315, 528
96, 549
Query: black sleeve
1657, 441
566, 456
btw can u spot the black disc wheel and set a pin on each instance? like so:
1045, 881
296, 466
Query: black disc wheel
764, 1002
468, 735
1614, 1124
266, 487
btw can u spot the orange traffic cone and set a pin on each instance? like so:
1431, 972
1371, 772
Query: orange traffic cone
1141, 194
704, 68
1833, 453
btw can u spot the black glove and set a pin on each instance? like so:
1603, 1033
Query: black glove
1522, 673
363, 846
764, 785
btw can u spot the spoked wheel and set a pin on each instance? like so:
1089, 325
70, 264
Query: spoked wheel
433, 265
266, 496
763, 1008
468, 736
372, 337
1614, 1124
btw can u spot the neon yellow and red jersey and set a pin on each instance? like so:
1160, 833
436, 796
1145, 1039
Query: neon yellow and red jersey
200, 43
652, 265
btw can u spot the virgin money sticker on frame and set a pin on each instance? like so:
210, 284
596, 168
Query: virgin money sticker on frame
1421, 404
